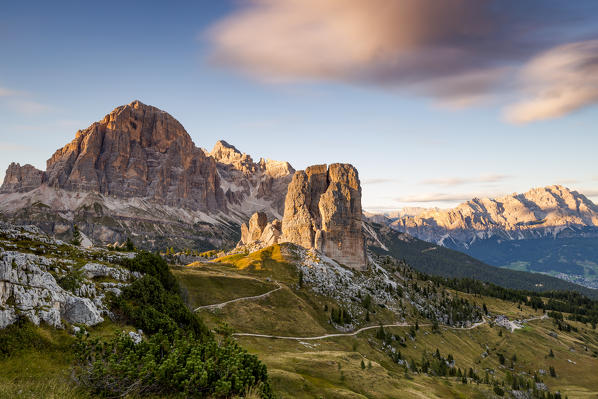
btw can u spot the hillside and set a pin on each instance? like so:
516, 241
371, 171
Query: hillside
90, 323
282, 304
438, 260
313, 322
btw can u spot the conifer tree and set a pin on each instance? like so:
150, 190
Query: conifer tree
76, 236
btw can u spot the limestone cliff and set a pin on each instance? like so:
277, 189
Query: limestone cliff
323, 211
138, 151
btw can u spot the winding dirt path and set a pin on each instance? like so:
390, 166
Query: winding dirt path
245, 298
475, 325
351, 333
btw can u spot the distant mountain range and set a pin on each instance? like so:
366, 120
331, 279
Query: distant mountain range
550, 230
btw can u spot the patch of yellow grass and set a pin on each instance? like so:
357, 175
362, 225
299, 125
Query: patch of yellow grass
255, 260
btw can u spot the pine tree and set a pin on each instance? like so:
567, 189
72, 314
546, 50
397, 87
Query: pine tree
129, 245
362, 364
76, 236
551, 353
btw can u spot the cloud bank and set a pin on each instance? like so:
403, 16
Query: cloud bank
460, 52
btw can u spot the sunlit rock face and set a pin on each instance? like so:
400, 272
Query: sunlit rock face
259, 230
323, 211
20, 179
138, 151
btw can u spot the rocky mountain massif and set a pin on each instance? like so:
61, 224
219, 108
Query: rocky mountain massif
137, 172
551, 229
322, 212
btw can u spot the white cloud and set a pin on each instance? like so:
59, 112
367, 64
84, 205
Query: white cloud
457, 181
20, 101
435, 197
557, 82
379, 181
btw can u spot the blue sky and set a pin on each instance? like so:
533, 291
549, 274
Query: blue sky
67, 64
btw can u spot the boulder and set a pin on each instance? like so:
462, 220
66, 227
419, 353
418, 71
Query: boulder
81, 311
259, 230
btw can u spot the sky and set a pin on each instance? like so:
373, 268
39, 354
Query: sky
433, 102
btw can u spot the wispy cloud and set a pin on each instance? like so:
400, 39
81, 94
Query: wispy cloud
589, 193
379, 181
435, 197
21, 102
12, 147
4, 92
416, 46
29, 107
558, 82
458, 181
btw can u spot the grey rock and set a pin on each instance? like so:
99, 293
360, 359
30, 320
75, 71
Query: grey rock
81, 311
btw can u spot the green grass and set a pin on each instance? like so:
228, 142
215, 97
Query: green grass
204, 288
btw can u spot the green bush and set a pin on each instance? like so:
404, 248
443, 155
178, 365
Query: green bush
70, 281
153, 265
180, 354
147, 305
165, 365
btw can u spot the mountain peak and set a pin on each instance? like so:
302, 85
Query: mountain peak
136, 150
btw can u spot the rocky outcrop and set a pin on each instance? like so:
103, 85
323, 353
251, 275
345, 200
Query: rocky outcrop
260, 230
227, 154
248, 184
31, 284
252, 231
19, 179
28, 289
323, 211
